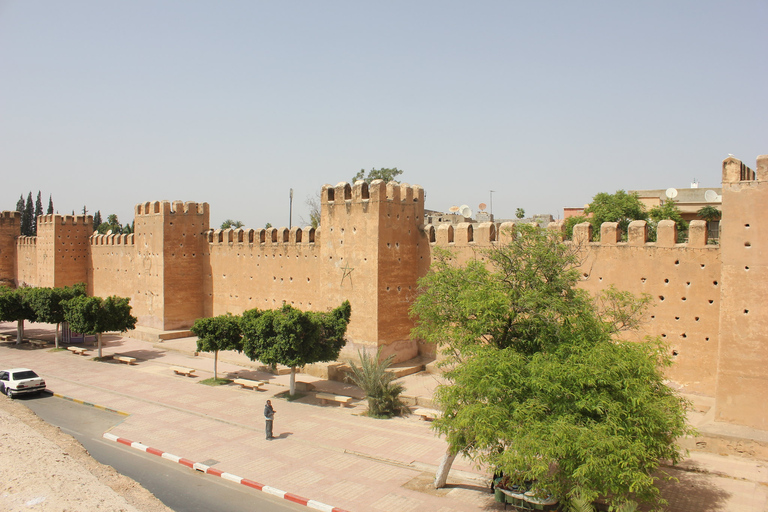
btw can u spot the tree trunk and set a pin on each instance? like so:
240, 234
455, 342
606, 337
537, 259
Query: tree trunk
441, 477
58, 335
98, 341
292, 387
19, 331
215, 365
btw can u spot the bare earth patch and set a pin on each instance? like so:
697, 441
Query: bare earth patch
44, 469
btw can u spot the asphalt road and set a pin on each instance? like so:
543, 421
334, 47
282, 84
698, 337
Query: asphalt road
177, 486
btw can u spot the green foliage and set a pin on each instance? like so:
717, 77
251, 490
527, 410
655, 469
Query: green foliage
112, 224
28, 217
214, 381
218, 333
94, 315
97, 220
668, 210
48, 303
520, 213
709, 213
49, 211
618, 207
382, 394
229, 223
15, 305
267, 225
293, 337
313, 204
384, 173
538, 387
570, 222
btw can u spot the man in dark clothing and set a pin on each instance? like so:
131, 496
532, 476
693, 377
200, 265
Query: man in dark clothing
269, 416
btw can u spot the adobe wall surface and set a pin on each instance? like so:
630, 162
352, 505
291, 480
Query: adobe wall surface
742, 379
10, 229
26, 261
63, 249
112, 267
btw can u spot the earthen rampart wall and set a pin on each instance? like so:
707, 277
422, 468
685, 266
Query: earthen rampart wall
112, 266
26, 261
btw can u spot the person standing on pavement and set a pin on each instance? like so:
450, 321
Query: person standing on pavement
269, 416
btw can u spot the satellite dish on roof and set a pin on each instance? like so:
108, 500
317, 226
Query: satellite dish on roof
710, 196
482, 206
453, 209
465, 210
671, 193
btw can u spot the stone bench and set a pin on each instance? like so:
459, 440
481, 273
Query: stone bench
248, 383
124, 359
38, 343
328, 397
427, 414
181, 370
78, 350
5, 337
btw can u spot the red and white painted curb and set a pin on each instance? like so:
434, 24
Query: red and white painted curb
227, 476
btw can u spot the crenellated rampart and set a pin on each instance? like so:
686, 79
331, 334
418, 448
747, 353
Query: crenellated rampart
373, 247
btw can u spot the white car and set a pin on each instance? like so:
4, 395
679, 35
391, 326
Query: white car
20, 380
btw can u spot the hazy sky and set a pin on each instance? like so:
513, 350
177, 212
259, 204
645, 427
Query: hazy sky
112, 103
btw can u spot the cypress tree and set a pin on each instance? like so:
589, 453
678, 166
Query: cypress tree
20, 204
38, 211
50, 205
97, 220
27, 228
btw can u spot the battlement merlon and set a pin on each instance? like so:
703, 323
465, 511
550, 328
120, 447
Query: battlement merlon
266, 237
171, 208
63, 220
98, 239
10, 218
377, 191
734, 170
637, 234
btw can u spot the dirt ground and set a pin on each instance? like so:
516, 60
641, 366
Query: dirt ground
44, 469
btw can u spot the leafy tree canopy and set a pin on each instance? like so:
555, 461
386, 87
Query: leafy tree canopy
537, 384
218, 333
384, 173
668, 210
570, 222
48, 303
229, 223
520, 213
94, 315
709, 213
618, 207
15, 306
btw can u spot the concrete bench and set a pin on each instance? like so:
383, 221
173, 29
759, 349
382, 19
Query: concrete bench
5, 337
180, 370
78, 350
427, 414
124, 359
38, 343
248, 383
328, 397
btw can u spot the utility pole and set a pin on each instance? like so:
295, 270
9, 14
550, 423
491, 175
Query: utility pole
290, 210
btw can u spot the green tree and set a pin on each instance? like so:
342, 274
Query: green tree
618, 207
267, 225
38, 211
668, 210
709, 213
28, 217
570, 222
384, 173
381, 392
294, 338
520, 213
94, 315
20, 204
537, 385
15, 307
112, 224
48, 304
229, 223
97, 220
50, 205
218, 333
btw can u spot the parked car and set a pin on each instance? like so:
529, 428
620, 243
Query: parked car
20, 380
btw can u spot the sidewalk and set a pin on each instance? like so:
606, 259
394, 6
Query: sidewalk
324, 453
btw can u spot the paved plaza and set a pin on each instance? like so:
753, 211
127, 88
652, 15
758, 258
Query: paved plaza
325, 453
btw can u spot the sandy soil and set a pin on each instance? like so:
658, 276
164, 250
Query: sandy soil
44, 469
